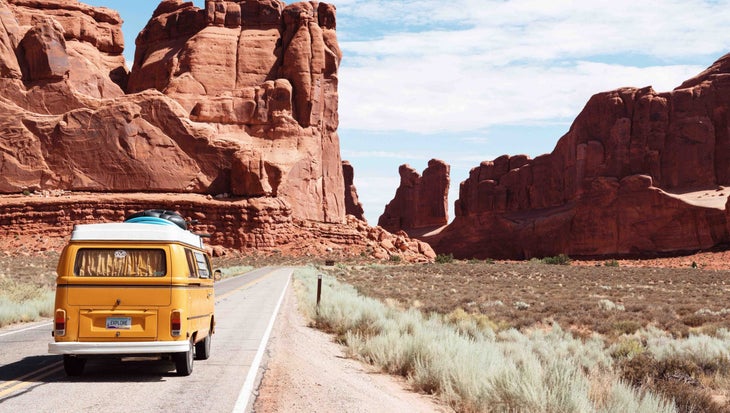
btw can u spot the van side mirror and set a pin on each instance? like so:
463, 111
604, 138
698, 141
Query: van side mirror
217, 275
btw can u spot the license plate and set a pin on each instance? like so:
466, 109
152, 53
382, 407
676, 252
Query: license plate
118, 323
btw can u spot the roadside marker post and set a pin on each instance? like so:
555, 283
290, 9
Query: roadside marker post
319, 289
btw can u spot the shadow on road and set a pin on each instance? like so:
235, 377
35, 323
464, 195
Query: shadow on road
16, 370
35, 369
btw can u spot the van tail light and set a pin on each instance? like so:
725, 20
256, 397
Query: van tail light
175, 323
59, 321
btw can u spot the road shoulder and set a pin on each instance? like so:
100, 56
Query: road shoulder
307, 371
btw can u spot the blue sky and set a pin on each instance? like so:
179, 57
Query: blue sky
471, 80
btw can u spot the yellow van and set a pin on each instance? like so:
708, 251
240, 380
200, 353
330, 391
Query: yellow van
142, 287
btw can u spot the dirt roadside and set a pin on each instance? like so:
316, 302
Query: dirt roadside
307, 372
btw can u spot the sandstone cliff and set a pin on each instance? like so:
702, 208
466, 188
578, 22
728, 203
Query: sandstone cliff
44, 220
421, 202
352, 202
229, 112
239, 98
638, 173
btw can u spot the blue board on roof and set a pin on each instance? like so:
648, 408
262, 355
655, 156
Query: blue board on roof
151, 220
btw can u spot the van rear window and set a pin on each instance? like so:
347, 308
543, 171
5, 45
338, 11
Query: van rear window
115, 262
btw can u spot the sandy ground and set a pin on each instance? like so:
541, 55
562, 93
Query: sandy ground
307, 372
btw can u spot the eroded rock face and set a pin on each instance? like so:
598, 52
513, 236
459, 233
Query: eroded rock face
91, 56
231, 111
266, 75
420, 202
612, 185
42, 221
239, 98
352, 202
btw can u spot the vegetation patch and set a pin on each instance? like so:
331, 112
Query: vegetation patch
640, 314
561, 259
471, 365
444, 258
27, 288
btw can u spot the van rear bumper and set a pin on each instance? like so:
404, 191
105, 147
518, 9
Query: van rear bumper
133, 347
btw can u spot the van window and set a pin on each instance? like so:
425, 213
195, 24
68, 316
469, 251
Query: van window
203, 268
198, 264
116, 262
192, 264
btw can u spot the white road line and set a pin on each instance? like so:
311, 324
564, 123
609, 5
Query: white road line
247, 390
26, 329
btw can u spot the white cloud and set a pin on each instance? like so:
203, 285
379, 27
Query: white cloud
427, 96
497, 62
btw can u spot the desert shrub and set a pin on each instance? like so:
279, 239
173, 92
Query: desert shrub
688, 397
394, 258
608, 305
476, 326
708, 312
561, 259
444, 258
25, 301
611, 263
711, 354
27, 309
626, 348
340, 313
675, 378
625, 326
532, 371
681, 369
695, 320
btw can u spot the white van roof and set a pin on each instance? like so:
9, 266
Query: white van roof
128, 231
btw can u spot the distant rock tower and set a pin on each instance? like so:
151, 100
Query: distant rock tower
420, 202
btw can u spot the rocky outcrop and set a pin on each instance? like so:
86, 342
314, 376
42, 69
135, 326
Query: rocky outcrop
352, 202
229, 111
239, 98
420, 202
43, 221
54, 39
620, 182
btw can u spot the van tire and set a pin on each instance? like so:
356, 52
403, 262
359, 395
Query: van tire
184, 361
202, 348
74, 366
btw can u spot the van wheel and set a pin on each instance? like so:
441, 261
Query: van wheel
184, 361
202, 348
74, 366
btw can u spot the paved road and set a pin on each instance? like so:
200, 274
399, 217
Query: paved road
31, 380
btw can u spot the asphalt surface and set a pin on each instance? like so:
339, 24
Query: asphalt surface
31, 380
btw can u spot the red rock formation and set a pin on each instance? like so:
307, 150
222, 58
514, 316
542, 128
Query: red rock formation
266, 75
352, 202
238, 100
43, 221
613, 184
420, 202
245, 102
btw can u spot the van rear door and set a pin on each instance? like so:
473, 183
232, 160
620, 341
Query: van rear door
118, 291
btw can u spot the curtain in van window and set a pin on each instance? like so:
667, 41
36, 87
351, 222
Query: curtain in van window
203, 269
112, 262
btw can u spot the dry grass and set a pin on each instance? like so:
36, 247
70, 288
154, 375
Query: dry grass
469, 366
627, 306
27, 285
608, 300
